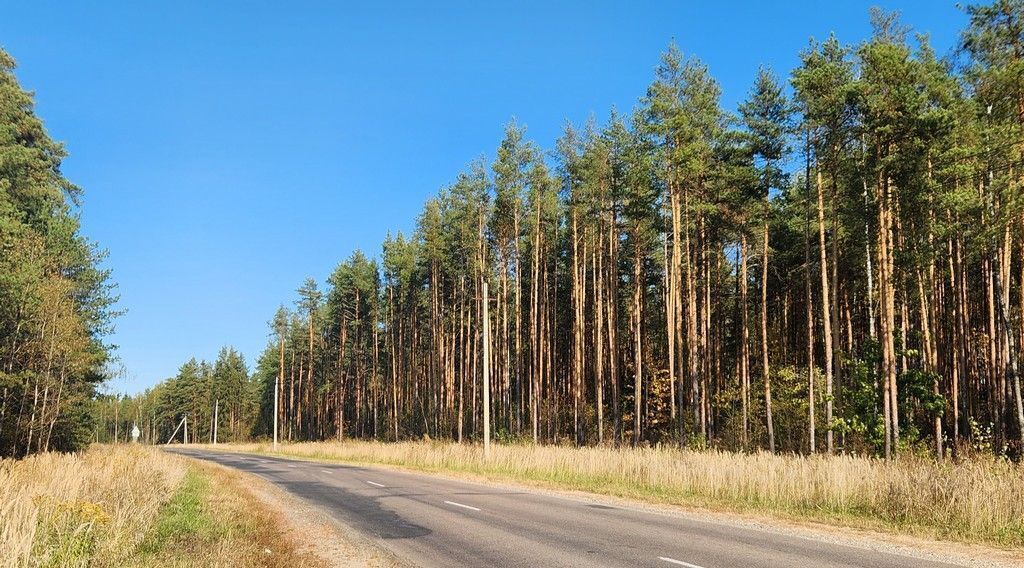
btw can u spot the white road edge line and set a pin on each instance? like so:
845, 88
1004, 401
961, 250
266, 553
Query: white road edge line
461, 505
325, 471
679, 562
375, 484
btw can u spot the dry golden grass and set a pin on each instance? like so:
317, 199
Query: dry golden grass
279, 529
76, 509
215, 519
978, 500
132, 505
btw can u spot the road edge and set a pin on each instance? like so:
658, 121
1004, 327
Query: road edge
312, 529
965, 554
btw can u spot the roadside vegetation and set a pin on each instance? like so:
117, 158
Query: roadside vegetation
833, 266
974, 500
735, 308
72, 509
133, 506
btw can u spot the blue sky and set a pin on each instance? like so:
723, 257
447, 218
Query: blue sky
229, 150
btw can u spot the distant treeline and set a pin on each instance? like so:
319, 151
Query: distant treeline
201, 391
836, 266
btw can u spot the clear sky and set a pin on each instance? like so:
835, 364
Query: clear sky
229, 150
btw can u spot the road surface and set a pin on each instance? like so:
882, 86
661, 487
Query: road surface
431, 521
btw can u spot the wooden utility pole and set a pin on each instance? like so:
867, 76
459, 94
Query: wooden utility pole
180, 422
487, 375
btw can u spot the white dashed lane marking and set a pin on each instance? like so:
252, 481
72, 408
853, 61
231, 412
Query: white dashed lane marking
461, 505
677, 562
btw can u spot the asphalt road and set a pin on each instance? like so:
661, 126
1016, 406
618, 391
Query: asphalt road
431, 521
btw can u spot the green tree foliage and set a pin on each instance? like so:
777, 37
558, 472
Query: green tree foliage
200, 395
55, 300
834, 269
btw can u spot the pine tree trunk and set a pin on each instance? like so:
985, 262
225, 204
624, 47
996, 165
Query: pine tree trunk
808, 301
887, 302
577, 329
676, 331
826, 310
612, 309
1012, 369
692, 341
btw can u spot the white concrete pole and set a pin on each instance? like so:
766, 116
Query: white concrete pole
277, 380
487, 376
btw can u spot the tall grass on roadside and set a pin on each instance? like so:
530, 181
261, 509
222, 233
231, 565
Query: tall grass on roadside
975, 500
91, 508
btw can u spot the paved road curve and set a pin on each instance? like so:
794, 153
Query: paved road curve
431, 521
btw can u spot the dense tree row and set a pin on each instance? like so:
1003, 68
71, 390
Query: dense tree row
836, 266
55, 302
201, 401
